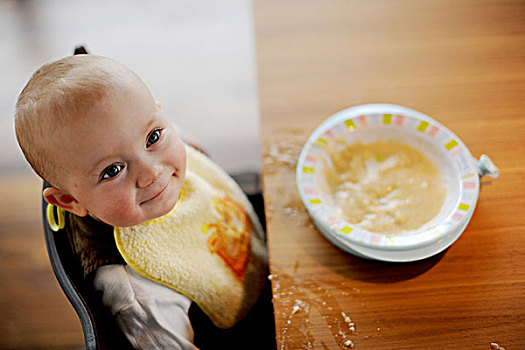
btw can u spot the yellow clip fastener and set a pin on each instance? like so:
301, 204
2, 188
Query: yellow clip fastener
51, 218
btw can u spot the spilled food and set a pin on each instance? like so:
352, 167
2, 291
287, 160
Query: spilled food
298, 301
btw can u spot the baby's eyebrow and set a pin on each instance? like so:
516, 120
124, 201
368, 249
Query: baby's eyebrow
150, 125
94, 170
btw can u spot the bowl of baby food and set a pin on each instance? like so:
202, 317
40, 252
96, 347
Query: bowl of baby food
389, 183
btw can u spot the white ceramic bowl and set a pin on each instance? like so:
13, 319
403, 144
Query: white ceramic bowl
382, 122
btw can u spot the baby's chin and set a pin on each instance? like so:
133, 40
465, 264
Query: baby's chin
134, 220
168, 206
120, 222
161, 213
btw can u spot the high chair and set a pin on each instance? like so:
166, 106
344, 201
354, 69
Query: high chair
100, 330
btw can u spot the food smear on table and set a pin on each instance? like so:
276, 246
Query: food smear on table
281, 155
383, 186
496, 346
298, 300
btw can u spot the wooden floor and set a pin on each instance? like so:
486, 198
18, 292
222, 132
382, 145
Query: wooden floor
35, 312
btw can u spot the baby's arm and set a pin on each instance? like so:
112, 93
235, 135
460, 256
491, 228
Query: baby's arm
149, 314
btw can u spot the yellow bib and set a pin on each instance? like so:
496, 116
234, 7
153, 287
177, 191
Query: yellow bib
209, 247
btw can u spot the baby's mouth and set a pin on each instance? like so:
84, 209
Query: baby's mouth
158, 194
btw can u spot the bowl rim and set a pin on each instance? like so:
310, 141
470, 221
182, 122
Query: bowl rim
328, 223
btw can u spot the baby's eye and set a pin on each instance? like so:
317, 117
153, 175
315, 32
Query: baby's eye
153, 137
111, 171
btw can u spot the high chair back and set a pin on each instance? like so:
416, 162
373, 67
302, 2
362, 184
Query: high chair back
100, 329
60, 256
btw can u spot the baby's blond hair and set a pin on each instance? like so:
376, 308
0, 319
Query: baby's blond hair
56, 93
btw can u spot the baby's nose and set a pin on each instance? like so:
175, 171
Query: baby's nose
148, 175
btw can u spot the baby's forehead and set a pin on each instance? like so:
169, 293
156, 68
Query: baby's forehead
110, 122
87, 105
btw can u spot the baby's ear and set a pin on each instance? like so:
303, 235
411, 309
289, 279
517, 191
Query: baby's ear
64, 200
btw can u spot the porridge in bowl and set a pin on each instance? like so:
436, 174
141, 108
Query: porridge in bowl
383, 186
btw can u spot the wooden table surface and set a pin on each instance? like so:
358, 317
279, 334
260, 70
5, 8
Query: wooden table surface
460, 62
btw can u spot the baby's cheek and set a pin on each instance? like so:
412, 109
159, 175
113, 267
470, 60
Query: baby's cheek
121, 212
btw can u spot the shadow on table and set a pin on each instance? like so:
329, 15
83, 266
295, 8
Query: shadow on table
383, 272
373, 271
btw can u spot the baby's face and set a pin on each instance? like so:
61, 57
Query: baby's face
126, 162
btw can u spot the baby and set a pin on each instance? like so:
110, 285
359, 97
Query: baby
157, 226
